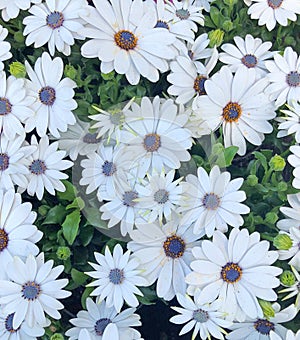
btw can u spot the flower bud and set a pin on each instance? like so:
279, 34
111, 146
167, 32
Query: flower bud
63, 253
277, 163
70, 72
271, 217
287, 278
267, 308
216, 37
17, 69
252, 180
283, 242
57, 336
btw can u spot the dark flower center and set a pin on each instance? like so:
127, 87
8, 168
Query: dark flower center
211, 201
3, 239
275, 3
182, 14
199, 85
47, 95
161, 196
174, 246
108, 168
31, 290
55, 19
129, 197
116, 276
91, 138
264, 326
101, 325
200, 315
4, 161
231, 272
117, 118
249, 60
232, 112
161, 24
152, 142
126, 40
293, 79
9, 323
5, 106
37, 167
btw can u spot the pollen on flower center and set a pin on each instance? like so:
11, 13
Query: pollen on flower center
231, 272
55, 19
4, 161
275, 3
47, 95
199, 85
211, 201
293, 79
174, 246
117, 118
91, 138
182, 14
31, 290
152, 142
161, 196
232, 112
9, 324
108, 168
5, 106
200, 315
249, 60
126, 40
116, 276
161, 24
129, 197
37, 167
101, 325
3, 239
264, 326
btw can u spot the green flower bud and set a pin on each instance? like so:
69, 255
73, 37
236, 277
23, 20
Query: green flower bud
283, 242
17, 69
252, 180
267, 308
70, 72
271, 217
57, 336
19, 37
277, 163
230, 2
227, 25
63, 253
282, 186
287, 278
216, 37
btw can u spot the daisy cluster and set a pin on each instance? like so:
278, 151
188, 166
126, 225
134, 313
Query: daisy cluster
190, 99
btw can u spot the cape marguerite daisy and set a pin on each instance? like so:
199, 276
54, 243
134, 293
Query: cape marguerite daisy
165, 254
239, 104
284, 77
31, 290
45, 166
18, 235
237, 271
4, 47
53, 97
289, 336
203, 3
205, 319
198, 49
116, 277
249, 52
105, 323
11, 8
293, 290
56, 23
294, 160
213, 201
292, 213
290, 122
125, 40
289, 247
269, 12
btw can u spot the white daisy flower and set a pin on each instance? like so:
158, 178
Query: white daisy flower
31, 290
284, 77
13, 161
293, 213
18, 235
205, 319
205, 4
213, 201
249, 52
239, 104
156, 138
124, 39
261, 328
160, 195
293, 290
198, 49
294, 250
290, 122
294, 160
23, 332
11, 8
78, 140
236, 270
15, 105
289, 336
103, 170
56, 23
104, 323
45, 166
84, 334
54, 97
165, 254
4, 46
188, 78
117, 277
269, 12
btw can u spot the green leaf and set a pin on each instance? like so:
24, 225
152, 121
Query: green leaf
86, 235
93, 217
69, 194
85, 295
262, 158
55, 215
71, 226
78, 203
78, 277
229, 154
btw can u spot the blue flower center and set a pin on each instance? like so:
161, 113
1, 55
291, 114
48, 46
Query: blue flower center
232, 112
47, 95
116, 276
161, 196
9, 323
152, 142
182, 14
108, 168
55, 19
174, 246
293, 79
3, 239
129, 197
31, 290
199, 85
211, 201
37, 167
4, 161
200, 315
161, 24
125, 40
231, 272
101, 325
5, 106
249, 60
275, 3
91, 138
264, 326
